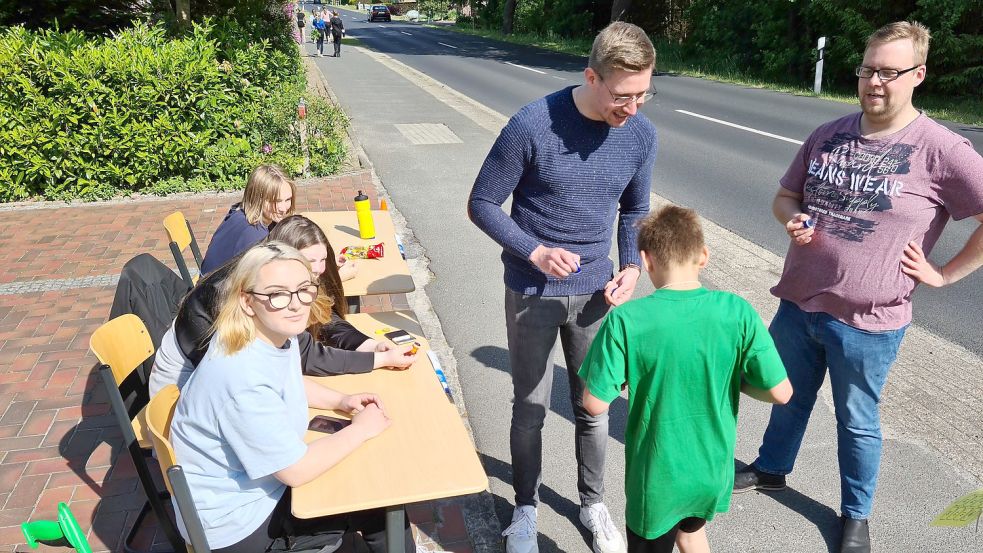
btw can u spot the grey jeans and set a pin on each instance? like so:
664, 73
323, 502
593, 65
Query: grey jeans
532, 323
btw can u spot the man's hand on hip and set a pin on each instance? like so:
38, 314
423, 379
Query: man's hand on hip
555, 261
620, 288
917, 266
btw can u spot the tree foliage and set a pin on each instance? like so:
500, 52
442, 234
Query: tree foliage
769, 39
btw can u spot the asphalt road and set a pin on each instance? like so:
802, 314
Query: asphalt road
727, 174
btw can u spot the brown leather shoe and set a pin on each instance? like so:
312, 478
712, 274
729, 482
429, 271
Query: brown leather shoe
856, 536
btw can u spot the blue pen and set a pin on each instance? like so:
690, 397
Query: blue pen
440, 375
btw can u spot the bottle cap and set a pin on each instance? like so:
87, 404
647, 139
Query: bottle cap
361, 197
808, 223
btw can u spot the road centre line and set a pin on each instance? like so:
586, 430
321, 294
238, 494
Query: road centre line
447, 45
405, 33
526, 68
742, 127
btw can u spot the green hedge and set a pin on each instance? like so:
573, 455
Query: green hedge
86, 117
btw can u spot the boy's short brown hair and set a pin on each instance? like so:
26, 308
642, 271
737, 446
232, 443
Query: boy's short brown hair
671, 236
622, 46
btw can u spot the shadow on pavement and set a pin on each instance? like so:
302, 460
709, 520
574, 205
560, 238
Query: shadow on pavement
498, 358
501, 470
825, 518
88, 447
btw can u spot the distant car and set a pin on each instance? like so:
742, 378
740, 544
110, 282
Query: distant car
380, 13
413, 15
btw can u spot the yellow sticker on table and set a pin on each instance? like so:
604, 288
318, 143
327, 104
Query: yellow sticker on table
962, 511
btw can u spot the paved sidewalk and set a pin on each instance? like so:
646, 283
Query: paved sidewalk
58, 440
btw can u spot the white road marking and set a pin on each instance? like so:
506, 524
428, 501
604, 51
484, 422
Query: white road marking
558, 78
742, 127
405, 33
447, 45
526, 68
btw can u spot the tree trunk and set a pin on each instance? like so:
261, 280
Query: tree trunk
508, 16
183, 12
619, 9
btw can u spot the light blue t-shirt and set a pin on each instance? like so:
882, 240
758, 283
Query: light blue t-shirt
240, 419
170, 364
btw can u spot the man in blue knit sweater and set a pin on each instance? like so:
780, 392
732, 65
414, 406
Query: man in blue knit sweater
571, 161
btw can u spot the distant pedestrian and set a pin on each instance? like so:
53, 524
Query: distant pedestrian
300, 21
864, 202
320, 27
683, 395
571, 162
337, 31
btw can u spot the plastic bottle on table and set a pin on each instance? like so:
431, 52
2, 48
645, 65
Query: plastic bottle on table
363, 211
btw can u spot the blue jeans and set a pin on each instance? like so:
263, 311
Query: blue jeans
858, 363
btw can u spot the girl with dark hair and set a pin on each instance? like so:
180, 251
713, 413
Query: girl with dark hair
331, 345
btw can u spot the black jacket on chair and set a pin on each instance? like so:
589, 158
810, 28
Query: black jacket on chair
150, 290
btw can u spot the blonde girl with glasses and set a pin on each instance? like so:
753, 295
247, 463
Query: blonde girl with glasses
239, 425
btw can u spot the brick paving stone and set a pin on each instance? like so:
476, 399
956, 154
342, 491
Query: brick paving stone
26, 492
450, 525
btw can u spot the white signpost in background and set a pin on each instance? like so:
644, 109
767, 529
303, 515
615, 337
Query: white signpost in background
817, 86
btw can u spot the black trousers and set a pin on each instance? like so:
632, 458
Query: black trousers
282, 531
320, 41
337, 44
665, 542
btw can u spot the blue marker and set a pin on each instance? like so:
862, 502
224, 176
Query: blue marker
440, 375
578, 269
808, 223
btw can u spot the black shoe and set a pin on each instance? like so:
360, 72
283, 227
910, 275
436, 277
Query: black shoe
750, 478
856, 536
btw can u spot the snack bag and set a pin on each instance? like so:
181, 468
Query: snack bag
364, 252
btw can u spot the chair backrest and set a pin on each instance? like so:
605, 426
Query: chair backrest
181, 237
177, 229
160, 412
122, 343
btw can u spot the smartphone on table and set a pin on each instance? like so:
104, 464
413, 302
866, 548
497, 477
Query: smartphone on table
328, 425
400, 337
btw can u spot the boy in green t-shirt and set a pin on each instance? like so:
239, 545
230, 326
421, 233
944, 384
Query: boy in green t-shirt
685, 353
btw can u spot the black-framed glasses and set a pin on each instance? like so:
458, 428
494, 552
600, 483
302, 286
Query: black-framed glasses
281, 298
884, 75
622, 101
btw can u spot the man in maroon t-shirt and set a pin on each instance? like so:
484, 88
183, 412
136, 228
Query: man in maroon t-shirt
863, 202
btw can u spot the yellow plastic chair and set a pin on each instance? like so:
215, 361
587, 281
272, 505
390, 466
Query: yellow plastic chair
160, 412
122, 345
179, 233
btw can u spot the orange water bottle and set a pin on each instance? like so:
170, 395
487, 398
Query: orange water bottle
363, 211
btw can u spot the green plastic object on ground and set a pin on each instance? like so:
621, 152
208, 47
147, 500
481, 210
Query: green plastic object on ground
49, 531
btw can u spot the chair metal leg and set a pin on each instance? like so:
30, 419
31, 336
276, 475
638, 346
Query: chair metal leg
155, 503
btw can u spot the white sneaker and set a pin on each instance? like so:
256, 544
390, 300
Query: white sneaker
520, 536
607, 538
